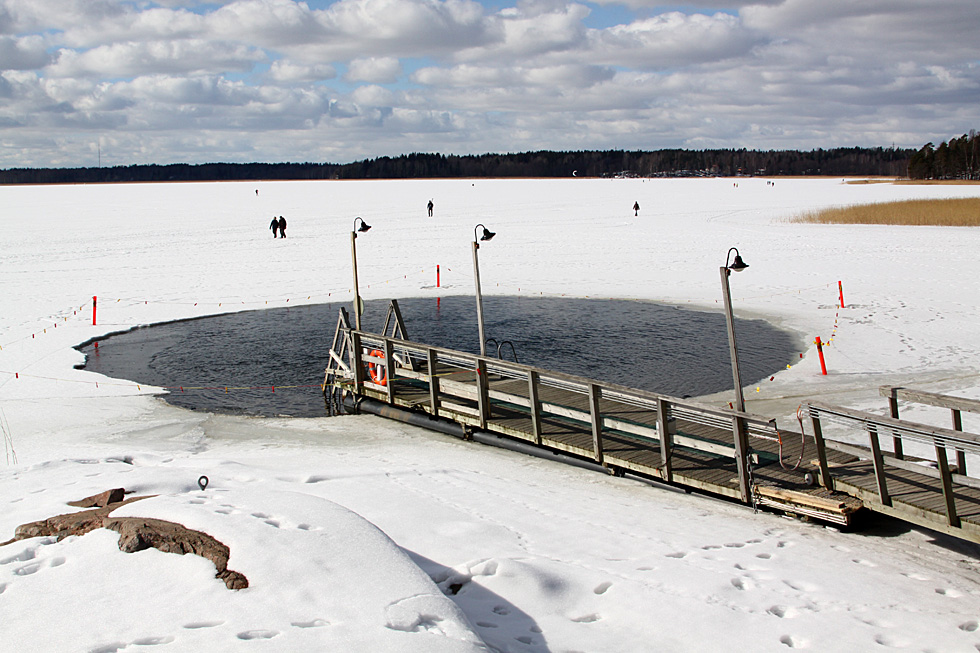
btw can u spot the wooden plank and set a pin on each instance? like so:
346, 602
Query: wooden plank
822, 503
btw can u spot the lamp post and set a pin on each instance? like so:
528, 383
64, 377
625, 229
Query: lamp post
487, 235
737, 265
353, 253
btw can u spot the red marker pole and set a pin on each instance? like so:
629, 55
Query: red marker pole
823, 364
94, 301
437, 276
840, 287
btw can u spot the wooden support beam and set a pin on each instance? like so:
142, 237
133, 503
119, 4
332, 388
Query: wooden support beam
431, 360
896, 440
389, 352
960, 455
483, 391
879, 466
826, 479
742, 461
666, 446
943, 464
357, 362
535, 405
594, 394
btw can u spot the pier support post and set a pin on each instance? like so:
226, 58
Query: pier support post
879, 464
389, 350
431, 359
943, 463
665, 440
594, 394
357, 362
826, 479
535, 401
742, 458
893, 411
483, 392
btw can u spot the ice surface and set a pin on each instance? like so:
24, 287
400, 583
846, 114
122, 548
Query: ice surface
360, 534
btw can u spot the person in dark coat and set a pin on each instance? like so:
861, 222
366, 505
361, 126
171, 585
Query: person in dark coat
636, 208
431, 206
282, 226
274, 226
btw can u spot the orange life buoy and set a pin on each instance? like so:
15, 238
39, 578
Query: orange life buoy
377, 370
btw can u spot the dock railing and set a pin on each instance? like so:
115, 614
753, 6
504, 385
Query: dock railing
956, 406
876, 426
460, 388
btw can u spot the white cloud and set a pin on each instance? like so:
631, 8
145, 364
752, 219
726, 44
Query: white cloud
674, 40
373, 96
132, 58
261, 75
287, 71
24, 53
379, 70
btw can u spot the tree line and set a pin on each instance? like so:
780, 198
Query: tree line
958, 159
545, 163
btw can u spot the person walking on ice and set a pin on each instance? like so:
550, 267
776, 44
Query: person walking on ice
274, 226
636, 208
430, 206
282, 226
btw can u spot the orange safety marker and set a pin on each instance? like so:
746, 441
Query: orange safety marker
823, 364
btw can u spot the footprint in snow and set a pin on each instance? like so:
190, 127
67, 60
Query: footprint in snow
602, 587
196, 625
314, 623
258, 634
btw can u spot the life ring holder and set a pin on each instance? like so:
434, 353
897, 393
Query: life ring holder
377, 371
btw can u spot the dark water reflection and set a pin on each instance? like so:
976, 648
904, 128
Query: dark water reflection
640, 344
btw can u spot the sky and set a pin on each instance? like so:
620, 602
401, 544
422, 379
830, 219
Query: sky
117, 82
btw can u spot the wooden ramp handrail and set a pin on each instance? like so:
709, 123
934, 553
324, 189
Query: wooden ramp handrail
398, 357
934, 435
930, 398
956, 406
875, 425
574, 383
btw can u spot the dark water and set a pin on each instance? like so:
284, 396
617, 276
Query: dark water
639, 344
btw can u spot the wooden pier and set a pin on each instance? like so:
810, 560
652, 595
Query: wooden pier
680, 442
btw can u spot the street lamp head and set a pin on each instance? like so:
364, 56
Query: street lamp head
738, 264
487, 234
364, 225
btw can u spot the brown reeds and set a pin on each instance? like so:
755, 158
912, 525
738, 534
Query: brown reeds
945, 213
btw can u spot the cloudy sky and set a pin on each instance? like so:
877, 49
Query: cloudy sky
278, 80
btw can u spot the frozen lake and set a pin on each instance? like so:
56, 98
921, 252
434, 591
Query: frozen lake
640, 344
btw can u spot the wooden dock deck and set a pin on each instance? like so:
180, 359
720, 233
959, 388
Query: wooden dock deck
683, 443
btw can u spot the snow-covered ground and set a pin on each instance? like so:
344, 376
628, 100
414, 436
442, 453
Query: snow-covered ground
353, 530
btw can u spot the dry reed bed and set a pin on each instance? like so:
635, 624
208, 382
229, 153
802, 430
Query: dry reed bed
945, 213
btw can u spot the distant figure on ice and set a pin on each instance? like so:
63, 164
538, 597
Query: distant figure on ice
636, 208
274, 225
282, 226
430, 206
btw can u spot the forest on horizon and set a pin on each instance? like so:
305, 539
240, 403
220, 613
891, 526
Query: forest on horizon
957, 159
